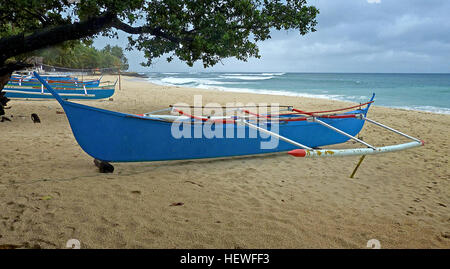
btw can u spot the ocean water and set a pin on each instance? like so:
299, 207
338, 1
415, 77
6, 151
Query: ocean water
424, 92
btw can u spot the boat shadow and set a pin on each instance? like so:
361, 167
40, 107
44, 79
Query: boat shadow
220, 159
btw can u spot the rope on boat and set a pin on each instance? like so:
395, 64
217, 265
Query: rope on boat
258, 117
256, 114
263, 116
341, 109
272, 116
226, 107
326, 111
203, 118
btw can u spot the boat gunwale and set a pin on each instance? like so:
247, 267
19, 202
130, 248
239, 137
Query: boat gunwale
135, 116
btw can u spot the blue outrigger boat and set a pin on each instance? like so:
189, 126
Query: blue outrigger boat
120, 137
37, 91
16, 77
54, 81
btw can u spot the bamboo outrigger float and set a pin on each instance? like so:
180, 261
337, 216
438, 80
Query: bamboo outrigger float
370, 150
120, 137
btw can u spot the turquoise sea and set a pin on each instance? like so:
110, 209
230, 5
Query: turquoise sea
425, 92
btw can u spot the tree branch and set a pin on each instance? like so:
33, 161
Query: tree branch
18, 44
5, 74
144, 30
43, 19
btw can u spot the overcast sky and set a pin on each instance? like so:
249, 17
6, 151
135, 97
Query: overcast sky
352, 36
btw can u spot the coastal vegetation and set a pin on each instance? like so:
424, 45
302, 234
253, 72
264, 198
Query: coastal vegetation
81, 56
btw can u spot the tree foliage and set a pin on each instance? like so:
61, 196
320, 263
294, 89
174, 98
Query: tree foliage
202, 30
116, 52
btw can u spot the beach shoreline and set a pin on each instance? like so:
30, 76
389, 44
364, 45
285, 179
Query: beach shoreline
51, 192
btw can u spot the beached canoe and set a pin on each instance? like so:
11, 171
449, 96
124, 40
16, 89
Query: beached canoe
120, 137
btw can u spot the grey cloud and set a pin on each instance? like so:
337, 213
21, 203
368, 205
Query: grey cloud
352, 36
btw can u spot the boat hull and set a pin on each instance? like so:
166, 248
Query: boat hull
119, 137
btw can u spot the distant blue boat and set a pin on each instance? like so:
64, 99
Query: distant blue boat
39, 92
46, 77
54, 81
61, 84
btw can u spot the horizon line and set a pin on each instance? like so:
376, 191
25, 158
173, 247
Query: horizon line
293, 72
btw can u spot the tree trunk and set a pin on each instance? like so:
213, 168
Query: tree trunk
4, 79
3, 100
5, 75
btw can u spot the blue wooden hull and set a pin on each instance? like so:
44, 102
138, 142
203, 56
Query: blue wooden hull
65, 93
120, 137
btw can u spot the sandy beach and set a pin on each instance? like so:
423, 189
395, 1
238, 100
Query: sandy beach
50, 190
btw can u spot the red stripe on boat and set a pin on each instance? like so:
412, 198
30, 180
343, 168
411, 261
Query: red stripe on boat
256, 114
338, 116
346, 108
303, 112
325, 111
